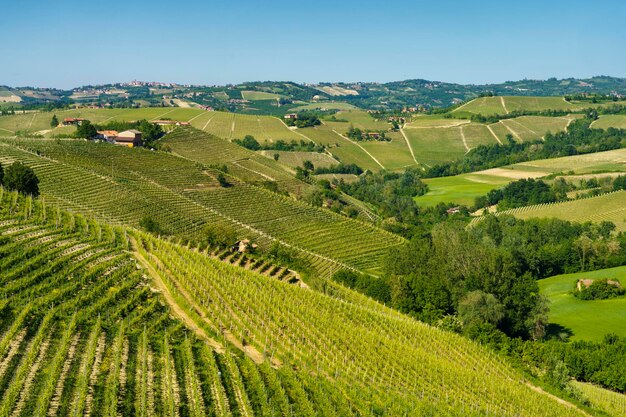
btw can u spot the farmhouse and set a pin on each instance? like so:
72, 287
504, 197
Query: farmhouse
243, 246
585, 283
68, 121
130, 138
453, 210
108, 135
373, 135
291, 116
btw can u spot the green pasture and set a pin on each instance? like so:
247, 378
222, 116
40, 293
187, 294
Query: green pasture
460, 189
610, 120
587, 320
259, 95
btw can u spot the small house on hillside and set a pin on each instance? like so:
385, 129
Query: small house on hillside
130, 138
108, 135
373, 135
291, 116
453, 210
243, 246
68, 121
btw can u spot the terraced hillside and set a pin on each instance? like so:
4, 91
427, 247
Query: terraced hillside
88, 330
122, 186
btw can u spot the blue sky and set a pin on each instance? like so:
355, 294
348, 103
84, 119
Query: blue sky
71, 43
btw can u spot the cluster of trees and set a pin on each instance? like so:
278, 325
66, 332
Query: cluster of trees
391, 193
357, 134
601, 363
600, 289
327, 194
578, 139
522, 193
304, 119
482, 281
250, 142
21, 178
594, 98
150, 132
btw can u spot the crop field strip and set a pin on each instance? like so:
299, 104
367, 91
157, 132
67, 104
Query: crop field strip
183, 198
612, 403
84, 334
606, 207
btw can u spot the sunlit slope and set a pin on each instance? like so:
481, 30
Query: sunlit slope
378, 357
85, 330
124, 185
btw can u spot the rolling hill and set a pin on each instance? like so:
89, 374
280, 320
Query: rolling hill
123, 186
109, 320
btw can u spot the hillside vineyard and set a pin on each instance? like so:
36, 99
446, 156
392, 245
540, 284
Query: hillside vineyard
88, 329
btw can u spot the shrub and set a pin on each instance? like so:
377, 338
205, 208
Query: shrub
600, 289
21, 178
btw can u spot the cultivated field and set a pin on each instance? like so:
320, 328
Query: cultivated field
587, 320
607, 207
147, 327
507, 104
124, 185
612, 403
464, 188
610, 120
259, 95
296, 159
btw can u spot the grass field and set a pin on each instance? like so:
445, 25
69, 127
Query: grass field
507, 104
610, 120
357, 118
334, 105
296, 159
259, 95
607, 161
460, 189
433, 146
464, 188
40, 121
588, 320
